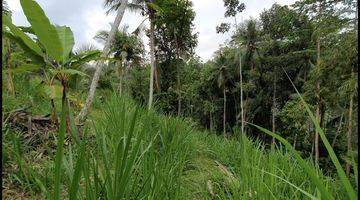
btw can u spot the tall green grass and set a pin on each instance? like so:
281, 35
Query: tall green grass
128, 152
324, 193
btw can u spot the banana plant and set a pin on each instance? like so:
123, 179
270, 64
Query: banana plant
50, 49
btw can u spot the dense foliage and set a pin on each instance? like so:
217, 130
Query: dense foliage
293, 70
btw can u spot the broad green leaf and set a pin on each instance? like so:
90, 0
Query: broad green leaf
27, 29
35, 57
20, 34
44, 30
83, 58
67, 41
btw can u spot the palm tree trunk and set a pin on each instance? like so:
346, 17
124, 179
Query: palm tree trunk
224, 114
178, 74
120, 77
152, 62
318, 112
274, 108
294, 145
179, 96
99, 65
211, 121
349, 132
338, 131
241, 96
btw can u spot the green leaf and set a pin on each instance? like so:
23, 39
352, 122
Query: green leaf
53, 91
59, 153
310, 171
67, 41
20, 34
288, 182
44, 30
78, 170
154, 7
72, 72
26, 68
27, 29
83, 58
35, 57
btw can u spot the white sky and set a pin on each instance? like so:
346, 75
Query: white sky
86, 17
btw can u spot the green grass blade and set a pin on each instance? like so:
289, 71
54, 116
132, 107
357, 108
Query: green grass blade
286, 181
334, 159
74, 131
77, 173
59, 154
307, 168
356, 173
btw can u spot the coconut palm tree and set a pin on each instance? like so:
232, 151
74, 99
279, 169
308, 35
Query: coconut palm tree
147, 8
126, 48
106, 50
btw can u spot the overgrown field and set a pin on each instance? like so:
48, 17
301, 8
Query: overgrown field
127, 152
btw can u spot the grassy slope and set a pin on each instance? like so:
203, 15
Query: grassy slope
176, 162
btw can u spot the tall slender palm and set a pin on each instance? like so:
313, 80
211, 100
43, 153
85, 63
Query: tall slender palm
222, 81
105, 53
127, 49
248, 40
146, 7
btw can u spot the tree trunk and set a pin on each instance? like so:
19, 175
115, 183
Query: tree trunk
224, 114
121, 71
211, 122
338, 131
318, 118
179, 97
152, 62
9, 80
178, 74
241, 95
156, 75
99, 65
312, 139
274, 108
318, 113
349, 132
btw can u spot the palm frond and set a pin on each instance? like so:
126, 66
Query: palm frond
132, 7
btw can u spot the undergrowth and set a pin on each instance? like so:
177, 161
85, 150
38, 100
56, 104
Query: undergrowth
127, 152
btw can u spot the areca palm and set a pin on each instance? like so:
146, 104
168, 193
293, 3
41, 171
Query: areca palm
223, 78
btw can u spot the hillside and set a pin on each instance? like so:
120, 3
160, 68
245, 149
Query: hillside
167, 158
272, 114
